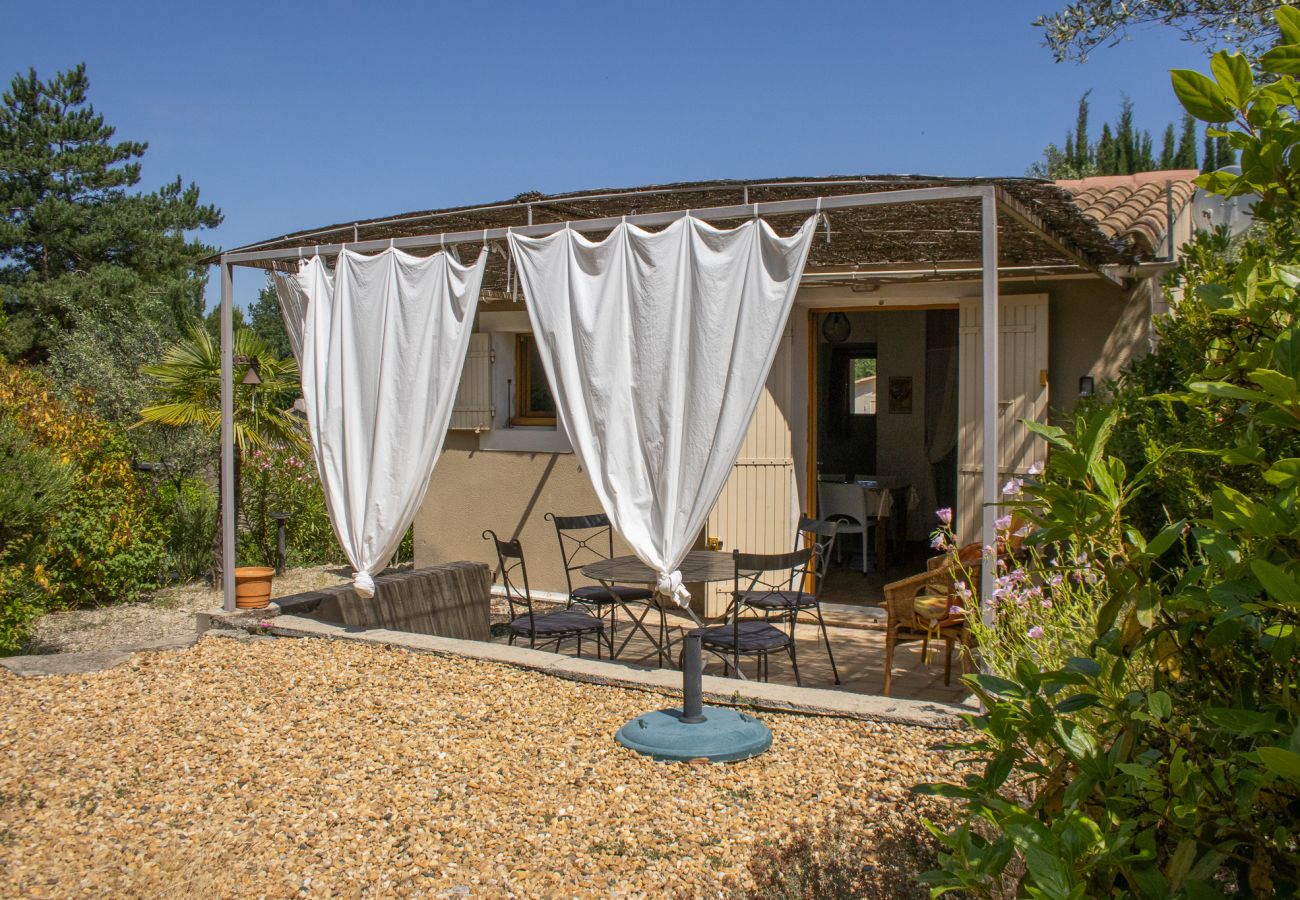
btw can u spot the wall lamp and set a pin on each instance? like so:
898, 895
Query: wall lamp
1086, 386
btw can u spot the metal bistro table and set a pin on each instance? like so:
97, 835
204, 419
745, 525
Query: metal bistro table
698, 566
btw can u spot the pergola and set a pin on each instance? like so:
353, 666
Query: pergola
969, 225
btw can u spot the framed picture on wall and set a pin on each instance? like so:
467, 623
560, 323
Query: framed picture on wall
900, 394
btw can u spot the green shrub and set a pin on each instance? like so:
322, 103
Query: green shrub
33, 486
1165, 761
283, 479
106, 544
188, 509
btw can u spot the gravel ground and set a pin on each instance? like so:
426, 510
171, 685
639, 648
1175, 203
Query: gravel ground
279, 767
170, 613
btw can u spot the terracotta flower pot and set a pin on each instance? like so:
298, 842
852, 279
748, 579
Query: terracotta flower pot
253, 586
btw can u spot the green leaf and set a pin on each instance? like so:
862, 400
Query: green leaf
1288, 21
1280, 584
1279, 387
999, 686
1159, 704
1200, 96
1227, 391
1165, 539
1077, 702
1286, 353
1233, 74
1285, 473
1281, 762
1241, 721
1284, 60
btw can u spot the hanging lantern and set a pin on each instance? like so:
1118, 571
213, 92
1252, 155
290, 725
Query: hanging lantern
836, 328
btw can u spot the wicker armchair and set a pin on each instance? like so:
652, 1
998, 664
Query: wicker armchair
933, 591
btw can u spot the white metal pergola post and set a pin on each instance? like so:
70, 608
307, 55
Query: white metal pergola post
227, 437
991, 200
989, 425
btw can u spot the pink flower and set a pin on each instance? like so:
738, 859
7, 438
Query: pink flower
1003, 523
945, 515
1036, 468
1036, 632
1012, 487
956, 611
940, 541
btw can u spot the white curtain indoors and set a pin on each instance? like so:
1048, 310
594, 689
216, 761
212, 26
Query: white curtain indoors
657, 346
383, 345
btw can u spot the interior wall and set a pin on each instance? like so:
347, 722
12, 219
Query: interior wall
899, 336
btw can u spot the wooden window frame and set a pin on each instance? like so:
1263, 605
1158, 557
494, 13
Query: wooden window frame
523, 413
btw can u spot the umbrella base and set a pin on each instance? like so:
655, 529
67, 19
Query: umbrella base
725, 735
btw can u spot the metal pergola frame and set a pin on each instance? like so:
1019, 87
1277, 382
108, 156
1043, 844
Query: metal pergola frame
992, 198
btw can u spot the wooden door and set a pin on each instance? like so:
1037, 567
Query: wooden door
1022, 395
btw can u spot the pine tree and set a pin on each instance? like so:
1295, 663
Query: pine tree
1185, 157
74, 238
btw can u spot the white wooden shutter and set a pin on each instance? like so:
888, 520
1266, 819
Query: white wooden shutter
473, 409
758, 508
1022, 395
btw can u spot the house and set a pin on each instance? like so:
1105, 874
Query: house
878, 372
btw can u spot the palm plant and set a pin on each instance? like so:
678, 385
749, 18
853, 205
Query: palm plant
189, 380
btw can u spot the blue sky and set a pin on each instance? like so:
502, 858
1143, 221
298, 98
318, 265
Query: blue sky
293, 115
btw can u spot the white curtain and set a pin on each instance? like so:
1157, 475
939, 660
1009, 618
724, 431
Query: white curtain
293, 308
657, 346
383, 345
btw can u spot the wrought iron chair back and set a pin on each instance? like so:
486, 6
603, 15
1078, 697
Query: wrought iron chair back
819, 535
770, 572
583, 540
513, 572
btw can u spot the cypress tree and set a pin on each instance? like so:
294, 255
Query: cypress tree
1224, 153
1167, 148
1211, 157
1082, 160
1107, 155
1185, 157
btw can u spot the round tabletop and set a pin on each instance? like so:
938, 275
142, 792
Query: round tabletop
699, 565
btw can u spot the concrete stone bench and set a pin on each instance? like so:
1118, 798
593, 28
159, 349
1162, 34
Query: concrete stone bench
449, 600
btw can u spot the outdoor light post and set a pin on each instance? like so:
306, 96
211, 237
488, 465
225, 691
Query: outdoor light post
280, 518
696, 731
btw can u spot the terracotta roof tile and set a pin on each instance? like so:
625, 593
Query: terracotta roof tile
1134, 208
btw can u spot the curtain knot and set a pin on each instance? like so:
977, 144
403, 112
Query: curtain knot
363, 584
669, 584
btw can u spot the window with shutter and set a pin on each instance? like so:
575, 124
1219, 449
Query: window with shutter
473, 410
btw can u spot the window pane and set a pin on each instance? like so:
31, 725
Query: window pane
862, 375
540, 401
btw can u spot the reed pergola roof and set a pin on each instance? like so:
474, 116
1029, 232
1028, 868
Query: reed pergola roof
938, 236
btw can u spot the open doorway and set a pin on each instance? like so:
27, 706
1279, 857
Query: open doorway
885, 392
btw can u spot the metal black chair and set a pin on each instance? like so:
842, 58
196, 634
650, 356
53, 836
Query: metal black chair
757, 573
584, 540
785, 605
557, 626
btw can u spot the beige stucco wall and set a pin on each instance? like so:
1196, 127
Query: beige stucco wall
510, 493
1094, 329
